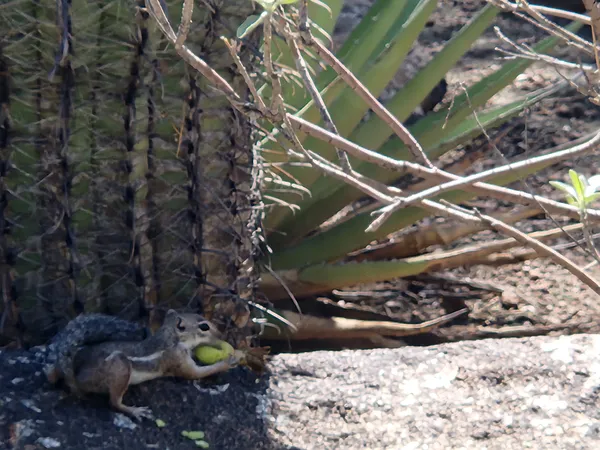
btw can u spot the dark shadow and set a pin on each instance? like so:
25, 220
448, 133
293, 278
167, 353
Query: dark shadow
229, 408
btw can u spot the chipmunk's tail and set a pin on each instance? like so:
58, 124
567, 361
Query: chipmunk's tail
84, 330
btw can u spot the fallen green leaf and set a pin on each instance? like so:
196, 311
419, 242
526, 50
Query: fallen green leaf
160, 423
193, 435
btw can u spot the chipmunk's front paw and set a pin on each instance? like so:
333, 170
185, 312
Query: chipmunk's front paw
232, 361
235, 359
140, 412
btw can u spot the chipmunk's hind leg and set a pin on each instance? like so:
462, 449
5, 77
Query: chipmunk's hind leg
119, 368
54, 375
111, 376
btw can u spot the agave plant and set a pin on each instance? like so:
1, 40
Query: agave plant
306, 255
128, 184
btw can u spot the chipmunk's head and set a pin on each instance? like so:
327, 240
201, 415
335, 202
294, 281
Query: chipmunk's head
191, 330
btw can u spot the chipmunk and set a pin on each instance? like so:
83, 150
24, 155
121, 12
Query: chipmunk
111, 367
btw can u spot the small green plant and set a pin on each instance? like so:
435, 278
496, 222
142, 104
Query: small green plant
582, 191
254, 21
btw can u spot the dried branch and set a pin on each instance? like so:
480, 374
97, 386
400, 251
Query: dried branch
508, 6
436, 174
397, 127
486, 175
508, 230
534, 16
544, 250
314, 93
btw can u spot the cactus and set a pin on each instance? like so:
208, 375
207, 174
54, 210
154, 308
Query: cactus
122, 175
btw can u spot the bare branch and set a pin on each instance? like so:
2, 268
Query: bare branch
534, 16
314, 93
508, 230
435, 174
544, 250
396, 126
486, 175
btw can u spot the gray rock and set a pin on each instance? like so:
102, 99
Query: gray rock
537, 393
122, 421
48, 442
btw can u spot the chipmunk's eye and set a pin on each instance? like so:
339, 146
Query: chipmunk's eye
180, 325
204, 326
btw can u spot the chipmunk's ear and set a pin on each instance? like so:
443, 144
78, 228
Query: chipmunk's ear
171, 316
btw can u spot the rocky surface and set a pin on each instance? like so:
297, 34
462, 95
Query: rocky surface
510, 394
495, 394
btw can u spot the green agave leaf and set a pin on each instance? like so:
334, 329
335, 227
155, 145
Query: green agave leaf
471, 127
374, 132
359, 45
415, 91
468, 131
325, 277
427, 131
348, 110
411, 6
350, 235
372, 32
465, 132
355, 52
339, 275
323, 20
